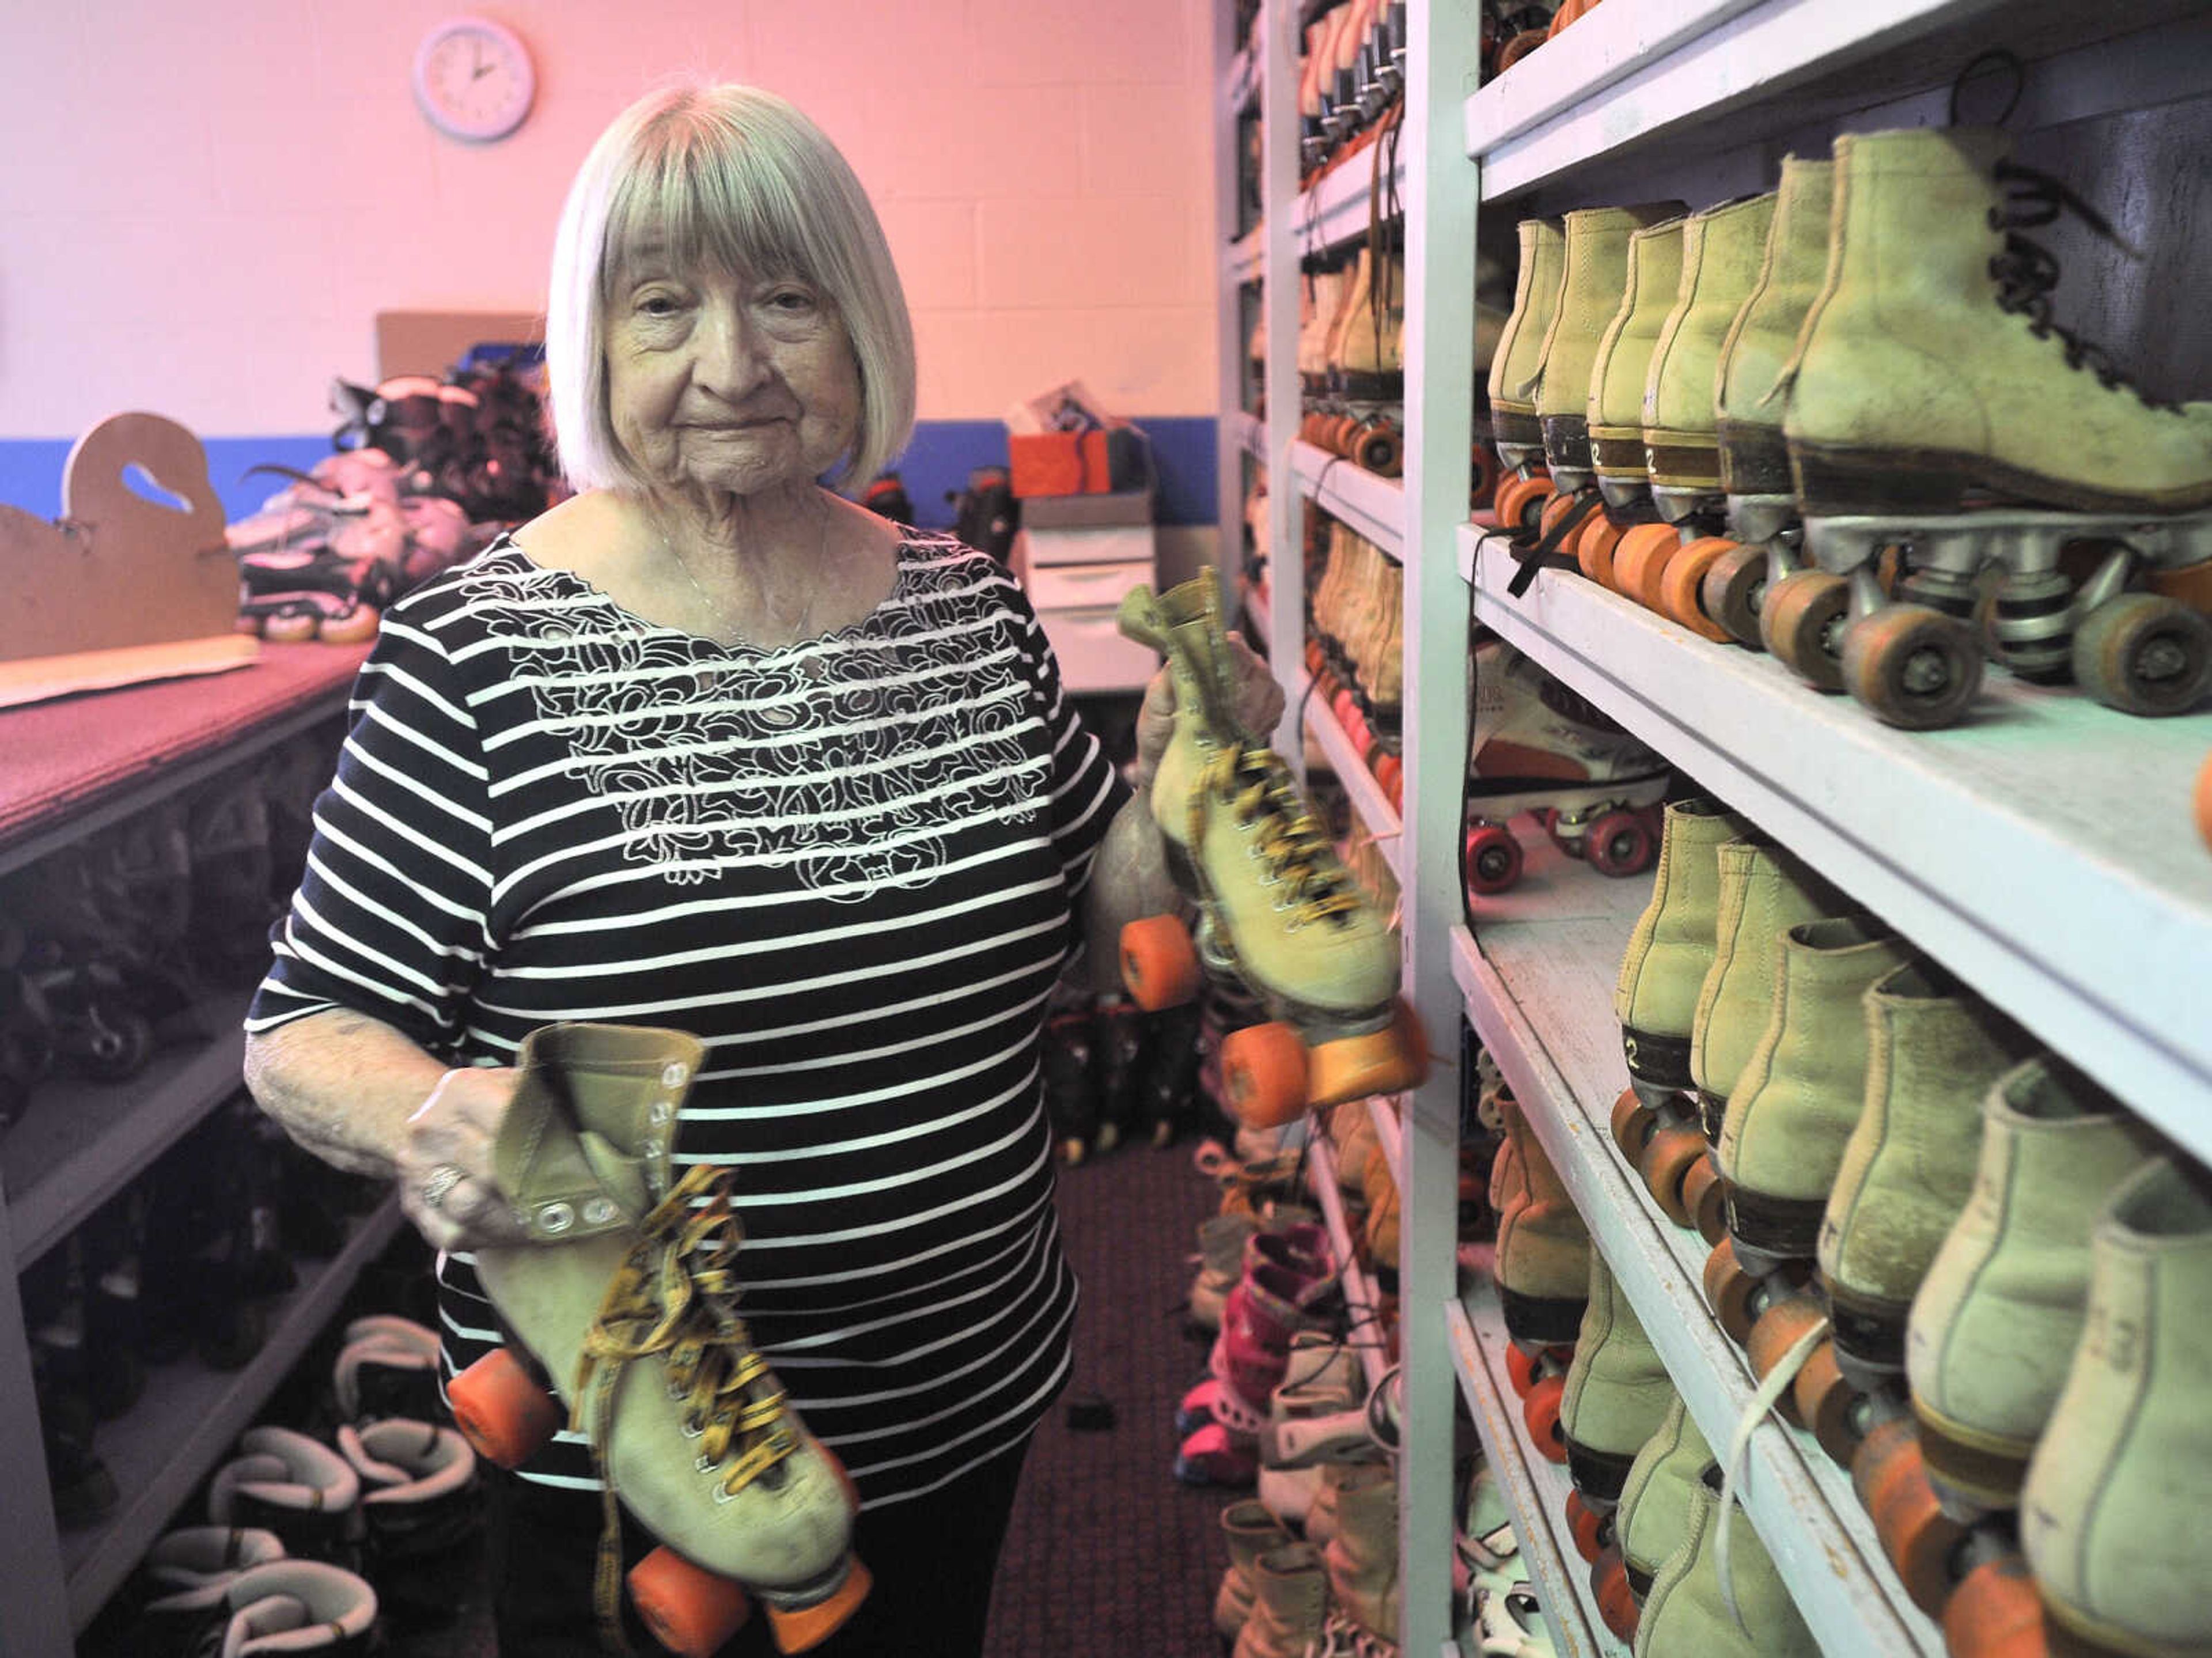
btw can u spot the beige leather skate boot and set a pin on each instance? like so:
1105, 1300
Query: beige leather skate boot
1362, 1556
625, 1295
1517, 368
1324, 292
1655, 1501
1800, 1092
1672, 948
1542, 1259
1370, 360
1764, 891
1929, 365
1278, 908
1250, 1529
1933, 1050
1289, 1602
2111, 1512
1623, 363
1590, 293
2000, 1312
1618, 1391
1685, 1612
1351, 315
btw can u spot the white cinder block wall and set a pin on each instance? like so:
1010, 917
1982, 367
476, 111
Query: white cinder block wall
203, 206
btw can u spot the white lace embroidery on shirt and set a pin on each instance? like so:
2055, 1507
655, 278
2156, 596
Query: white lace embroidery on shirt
853, 772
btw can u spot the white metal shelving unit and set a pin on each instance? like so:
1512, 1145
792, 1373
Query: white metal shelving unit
2042, 849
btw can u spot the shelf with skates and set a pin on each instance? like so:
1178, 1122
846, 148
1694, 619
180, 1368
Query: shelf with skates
1539, 988
1331, 212
2043, 847
190, 1416
1374, 507
1536, 1489
1714, 72
1240, 86
1369, 804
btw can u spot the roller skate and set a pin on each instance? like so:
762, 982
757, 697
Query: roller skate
1765, 540
623, 1301
1722, 248
1277, 912
1653, 1514
1517, 370
1992, 1327
1366, 367
1615, 409
1690, 1610
1537, 747
1617, 1396
1935, 406
1542, 1266
1590, 298
1655, 1121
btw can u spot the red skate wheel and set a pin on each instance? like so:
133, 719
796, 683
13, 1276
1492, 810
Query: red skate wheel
1641, 560
1591, 1529
1734, 584
1521, 502
1666, 1164
1915, 668
1633, 1125
1827, 1404
1159, 964
1620, 843
1317, 661
689, 1609
1706, 1199
1521, 1368
1681, 588
1393, 787
1732, 1292
1482, 487
800, 1629
1493, 859
1594, 550
1800, 625
1996, 1612
1388, 768
1774, 1331
1920, 1537
1345, 707
1264, 1069
502, 1411
1541, 1411
1616, 1600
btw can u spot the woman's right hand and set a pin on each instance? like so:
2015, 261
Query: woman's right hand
445, 1166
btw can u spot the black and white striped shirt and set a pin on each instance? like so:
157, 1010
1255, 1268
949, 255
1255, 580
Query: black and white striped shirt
849, 865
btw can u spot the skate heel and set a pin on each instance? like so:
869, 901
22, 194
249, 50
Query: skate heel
1835, 481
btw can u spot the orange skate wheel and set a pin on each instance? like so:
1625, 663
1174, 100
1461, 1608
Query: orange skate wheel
1594, 552
1774, 1331
1493, 859
1665, 1164
354, 629
1344, 707
1377, 450
2192, 584
1309, 427
2142, 654
1482, 489
1920, 1537
2204, 801
1735, 587
689, 1609
1159, 964
1620, 843
1732, 1292
1706, 1199
1555, 510
1800, 623
1633, 1125
1393, 787
1316, 659
1914, 667
1541, 1411
1826, 1403
1996, 1612
1519, 47
1616, 1598
1388, 768
1521, 1368
800, 1629
1263, 1068
1641, 561
1591, 1529
1681, 589
1521, 502
503, 1411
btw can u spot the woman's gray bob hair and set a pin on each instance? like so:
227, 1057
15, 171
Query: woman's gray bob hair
721, 178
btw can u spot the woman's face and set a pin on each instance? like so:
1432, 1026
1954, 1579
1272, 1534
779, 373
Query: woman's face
729, 382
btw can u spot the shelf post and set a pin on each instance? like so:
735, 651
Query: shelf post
33, 1618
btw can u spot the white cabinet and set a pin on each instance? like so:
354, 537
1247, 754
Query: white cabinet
1075, 578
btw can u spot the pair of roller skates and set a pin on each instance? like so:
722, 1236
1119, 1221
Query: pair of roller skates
1279, 916
623, 1303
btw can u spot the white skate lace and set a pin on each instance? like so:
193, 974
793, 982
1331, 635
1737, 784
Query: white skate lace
676, 1296
1739, 1451
1294, 845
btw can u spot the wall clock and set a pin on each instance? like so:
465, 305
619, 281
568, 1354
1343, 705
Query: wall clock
474, 79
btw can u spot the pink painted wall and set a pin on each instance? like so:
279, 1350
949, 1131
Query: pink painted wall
202, 207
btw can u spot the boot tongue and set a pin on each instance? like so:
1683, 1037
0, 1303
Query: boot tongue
623, 1178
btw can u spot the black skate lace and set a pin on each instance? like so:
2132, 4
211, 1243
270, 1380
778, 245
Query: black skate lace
677, 1295
2026, 273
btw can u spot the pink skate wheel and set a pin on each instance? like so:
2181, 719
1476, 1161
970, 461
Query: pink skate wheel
1620, 843
1214, 1456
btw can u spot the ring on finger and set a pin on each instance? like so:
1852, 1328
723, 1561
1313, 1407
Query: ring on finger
439, 1184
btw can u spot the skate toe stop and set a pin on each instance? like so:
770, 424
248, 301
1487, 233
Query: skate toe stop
797, 1628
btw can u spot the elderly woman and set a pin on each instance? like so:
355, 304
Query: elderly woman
707, 746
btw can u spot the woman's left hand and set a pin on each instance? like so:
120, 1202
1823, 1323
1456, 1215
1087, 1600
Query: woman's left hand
1260, 704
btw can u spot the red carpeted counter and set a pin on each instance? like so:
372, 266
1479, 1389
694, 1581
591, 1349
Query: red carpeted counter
62, 759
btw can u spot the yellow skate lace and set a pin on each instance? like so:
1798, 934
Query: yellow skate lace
675, 1296
1294, 846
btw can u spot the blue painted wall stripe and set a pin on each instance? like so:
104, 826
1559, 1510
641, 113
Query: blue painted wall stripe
936, 463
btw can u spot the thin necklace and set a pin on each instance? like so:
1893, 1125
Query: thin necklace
738, 634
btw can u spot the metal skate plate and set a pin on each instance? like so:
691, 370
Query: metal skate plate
2019, 537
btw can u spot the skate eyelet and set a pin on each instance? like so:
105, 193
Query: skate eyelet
691, 1426
598, 1210
556, 1218
672, 1076
658, 1112
704, 1465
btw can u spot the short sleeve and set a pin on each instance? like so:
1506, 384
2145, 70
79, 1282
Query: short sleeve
1086, 789
390, 918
